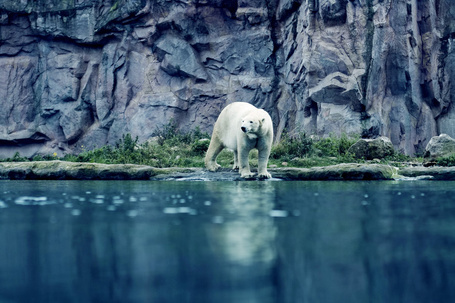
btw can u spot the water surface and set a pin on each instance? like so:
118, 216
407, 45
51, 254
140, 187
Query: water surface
225, 242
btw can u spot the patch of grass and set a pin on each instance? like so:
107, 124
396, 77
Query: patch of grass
172, 147
302, 150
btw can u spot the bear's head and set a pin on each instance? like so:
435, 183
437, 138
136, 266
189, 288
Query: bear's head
251, 124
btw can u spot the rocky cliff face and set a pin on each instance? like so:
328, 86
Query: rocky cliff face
78, 74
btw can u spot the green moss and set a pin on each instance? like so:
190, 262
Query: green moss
114, 6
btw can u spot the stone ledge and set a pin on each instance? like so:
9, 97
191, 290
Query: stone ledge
61, 170
433, 173
348, 171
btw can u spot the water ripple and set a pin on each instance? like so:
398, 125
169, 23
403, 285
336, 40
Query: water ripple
27, 200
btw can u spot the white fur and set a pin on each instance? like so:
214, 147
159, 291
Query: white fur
228, 133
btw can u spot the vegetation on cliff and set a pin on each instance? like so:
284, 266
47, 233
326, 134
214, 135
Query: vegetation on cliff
172, 147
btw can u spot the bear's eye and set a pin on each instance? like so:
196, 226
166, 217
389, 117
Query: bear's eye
251, 121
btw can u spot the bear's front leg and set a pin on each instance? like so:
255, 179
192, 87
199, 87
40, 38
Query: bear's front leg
236, 161
244, 166
263, 159
264, 175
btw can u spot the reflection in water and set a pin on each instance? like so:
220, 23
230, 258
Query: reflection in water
73, 241
244, 241
249, 236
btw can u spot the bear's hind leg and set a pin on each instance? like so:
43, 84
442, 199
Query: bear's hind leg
215, 148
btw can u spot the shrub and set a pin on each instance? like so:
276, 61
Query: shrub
199, 147
289, 147
170, 133
127, 144
446, 161
17, 158
38, 158
167, 132
335, 146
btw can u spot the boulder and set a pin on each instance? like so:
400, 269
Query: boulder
370, 149
440, 146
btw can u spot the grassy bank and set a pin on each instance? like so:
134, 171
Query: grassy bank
173, 148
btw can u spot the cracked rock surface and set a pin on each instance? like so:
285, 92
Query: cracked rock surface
79, 74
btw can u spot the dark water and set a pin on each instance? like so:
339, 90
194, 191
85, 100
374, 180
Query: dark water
227, 242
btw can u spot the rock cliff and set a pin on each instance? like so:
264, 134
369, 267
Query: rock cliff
78, 74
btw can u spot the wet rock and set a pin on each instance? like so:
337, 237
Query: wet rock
337, 172
429, 173
440, 146
370, 149
61, 170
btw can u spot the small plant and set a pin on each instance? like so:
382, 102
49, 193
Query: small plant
167, 132
18, 158
127, 144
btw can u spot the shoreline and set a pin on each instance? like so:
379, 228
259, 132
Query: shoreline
62, 170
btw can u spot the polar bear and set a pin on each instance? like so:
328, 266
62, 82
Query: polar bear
240, 128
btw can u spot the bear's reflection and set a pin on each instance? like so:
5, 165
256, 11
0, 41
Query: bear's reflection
242, 241
247, 234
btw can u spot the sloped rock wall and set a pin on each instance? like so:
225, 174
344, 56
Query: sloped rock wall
79, 74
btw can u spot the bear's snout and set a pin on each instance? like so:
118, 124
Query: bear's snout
243, 128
